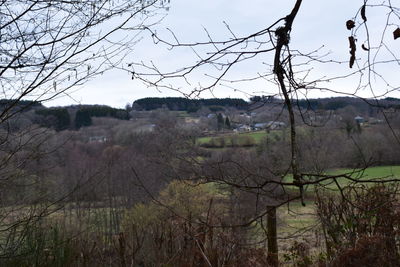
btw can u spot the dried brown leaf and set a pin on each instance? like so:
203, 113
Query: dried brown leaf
353, 49
363, 13
396, 33
350, 24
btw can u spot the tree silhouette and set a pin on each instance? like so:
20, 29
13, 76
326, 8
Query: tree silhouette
227, 123
220, 122
82, 118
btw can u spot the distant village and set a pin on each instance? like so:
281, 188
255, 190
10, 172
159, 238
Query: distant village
205, 117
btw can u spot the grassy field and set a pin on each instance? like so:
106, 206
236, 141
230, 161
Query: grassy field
371, 173
241, 139
294, 218
300, 223
180, 114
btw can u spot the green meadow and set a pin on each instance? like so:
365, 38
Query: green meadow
237, 139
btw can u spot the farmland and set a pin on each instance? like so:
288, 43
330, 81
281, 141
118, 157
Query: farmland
238, 139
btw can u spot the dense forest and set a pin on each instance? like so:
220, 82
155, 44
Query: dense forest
362, 105
185, 104
62, 118
334, 103
18, 105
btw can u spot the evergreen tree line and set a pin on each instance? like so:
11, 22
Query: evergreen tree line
18, 105
217, 104
223, 123
60, 118
335, 103
184, 104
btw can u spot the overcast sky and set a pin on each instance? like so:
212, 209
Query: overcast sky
318, 23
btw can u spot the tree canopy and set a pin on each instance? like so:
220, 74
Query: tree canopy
185, 104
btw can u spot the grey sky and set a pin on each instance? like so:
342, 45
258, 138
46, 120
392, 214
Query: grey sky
318, 23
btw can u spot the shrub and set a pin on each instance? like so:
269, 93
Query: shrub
363, 218
178, 228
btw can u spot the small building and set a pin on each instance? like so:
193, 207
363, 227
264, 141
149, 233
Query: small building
360, 120
147, 128
97, 139
261, 125
243, 128
273, 125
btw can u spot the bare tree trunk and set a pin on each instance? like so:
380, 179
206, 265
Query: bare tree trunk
283, 35
272, 237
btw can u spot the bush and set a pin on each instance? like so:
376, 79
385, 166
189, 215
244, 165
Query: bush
247, 141
39, 246
369, 251
177, 228
363, 218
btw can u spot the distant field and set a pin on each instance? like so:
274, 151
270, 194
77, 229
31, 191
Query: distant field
242, 139
374, 172
371, 173
257, 136
294, 218
180, 114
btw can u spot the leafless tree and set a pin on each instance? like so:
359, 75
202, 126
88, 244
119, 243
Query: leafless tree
46, 49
